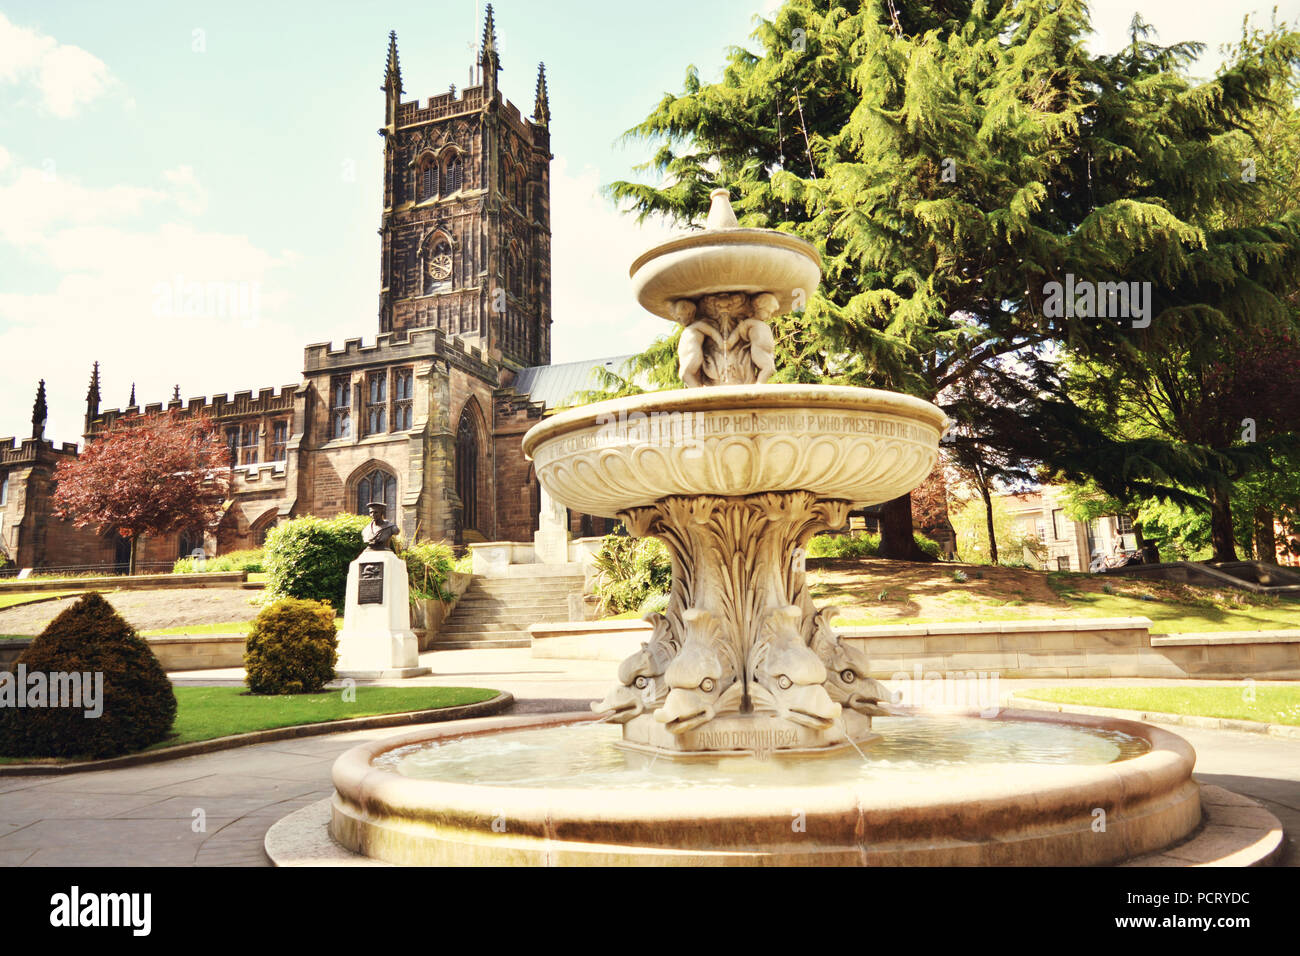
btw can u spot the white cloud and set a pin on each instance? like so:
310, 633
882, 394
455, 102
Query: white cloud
38, 201
65, 76
156, 302
592, 245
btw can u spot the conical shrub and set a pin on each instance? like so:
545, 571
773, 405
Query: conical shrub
138, 705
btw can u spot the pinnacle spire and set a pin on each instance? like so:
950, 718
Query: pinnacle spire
40, 412
488, 57
541, 105
92, 397
393, 71
176, 393
131, 403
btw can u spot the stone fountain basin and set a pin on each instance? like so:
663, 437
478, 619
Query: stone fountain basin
1030, 816
859, 445
727, 260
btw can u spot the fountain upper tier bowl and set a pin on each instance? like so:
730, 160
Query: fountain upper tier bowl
726, 259
858, 445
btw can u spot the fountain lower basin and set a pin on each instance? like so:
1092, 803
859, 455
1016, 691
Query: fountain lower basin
857, 445
974, 805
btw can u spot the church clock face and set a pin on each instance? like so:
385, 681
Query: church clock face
440, 264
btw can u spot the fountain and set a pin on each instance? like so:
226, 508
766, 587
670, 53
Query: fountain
741, 732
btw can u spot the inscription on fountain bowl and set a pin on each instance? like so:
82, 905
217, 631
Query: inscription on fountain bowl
370, 583
687, 428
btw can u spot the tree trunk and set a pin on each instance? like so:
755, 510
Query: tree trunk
988, 516
130, 567
896, 539
1265, 541
1221, 535
1150, 553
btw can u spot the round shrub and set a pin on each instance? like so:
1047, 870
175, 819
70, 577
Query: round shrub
292, 648
308, 557
136, 696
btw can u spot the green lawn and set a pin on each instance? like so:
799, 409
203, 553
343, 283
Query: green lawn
14, 600
1272, 705
207, 712
1171, 618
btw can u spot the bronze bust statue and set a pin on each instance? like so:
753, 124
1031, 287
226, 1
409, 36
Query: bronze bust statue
379, 534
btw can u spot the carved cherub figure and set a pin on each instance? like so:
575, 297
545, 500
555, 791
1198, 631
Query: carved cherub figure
758, 335
690, 347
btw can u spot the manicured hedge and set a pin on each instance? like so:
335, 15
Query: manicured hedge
308, 557
137, 700
292, 648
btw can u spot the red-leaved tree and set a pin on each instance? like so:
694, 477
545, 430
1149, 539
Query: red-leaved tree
147, 475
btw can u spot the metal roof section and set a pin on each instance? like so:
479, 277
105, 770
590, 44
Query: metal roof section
554, 385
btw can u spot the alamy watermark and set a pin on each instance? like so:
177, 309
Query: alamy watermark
653, 428
1080, 298
74, 689
947, 690
213, 299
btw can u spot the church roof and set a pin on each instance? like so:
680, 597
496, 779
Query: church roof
554, 385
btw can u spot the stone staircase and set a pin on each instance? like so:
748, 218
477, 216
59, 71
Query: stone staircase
495, 612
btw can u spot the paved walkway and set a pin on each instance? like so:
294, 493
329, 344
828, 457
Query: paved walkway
215, 809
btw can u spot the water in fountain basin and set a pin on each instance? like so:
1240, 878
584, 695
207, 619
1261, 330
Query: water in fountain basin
911, 749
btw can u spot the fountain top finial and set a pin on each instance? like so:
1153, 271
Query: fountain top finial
721, 215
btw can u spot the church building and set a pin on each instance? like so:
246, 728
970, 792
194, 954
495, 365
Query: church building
429, 418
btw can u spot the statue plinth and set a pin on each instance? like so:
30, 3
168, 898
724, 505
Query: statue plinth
377, 640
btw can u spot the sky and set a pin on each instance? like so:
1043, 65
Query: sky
146, 146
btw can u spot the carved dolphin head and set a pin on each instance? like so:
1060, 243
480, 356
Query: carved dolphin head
792, 674
697, 676
848, 681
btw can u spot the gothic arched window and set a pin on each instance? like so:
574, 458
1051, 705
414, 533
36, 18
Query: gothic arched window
377, 485
451, 174
428, 179
467, 469
189, 541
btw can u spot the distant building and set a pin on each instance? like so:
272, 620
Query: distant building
1070, 545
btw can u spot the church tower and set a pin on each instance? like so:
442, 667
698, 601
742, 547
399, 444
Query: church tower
466, 227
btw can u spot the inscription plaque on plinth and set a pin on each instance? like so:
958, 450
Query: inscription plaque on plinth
370, 583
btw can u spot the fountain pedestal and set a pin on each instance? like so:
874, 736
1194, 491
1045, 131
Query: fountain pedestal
735, 476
